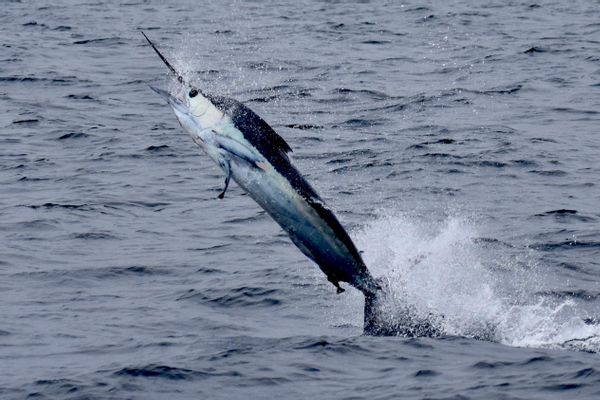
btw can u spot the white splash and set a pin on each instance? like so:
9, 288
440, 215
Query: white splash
444, 268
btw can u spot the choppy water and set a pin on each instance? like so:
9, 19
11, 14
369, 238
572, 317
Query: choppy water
458, 142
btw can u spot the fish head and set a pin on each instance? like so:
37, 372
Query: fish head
189, 122
198, 102
194, 110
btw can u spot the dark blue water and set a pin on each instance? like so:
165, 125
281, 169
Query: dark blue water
458, 142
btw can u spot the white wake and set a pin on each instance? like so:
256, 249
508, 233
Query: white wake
481, 287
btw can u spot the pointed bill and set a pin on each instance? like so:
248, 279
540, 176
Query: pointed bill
249, 151
172, 100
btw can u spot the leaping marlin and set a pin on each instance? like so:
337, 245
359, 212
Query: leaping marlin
248, 150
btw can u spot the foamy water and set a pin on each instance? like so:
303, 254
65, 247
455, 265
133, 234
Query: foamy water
445, 268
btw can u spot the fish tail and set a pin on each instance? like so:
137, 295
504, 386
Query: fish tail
379, 320
373, 318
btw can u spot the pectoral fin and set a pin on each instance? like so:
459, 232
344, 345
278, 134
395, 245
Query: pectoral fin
237, 149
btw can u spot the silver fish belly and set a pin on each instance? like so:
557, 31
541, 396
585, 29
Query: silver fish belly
250, 152
305, 225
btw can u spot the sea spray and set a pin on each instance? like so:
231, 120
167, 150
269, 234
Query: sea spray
474, 286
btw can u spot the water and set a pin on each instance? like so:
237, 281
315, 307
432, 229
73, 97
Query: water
457, 142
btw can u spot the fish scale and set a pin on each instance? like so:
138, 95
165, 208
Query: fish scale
248, 150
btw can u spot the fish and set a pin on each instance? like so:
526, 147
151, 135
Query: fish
251, 153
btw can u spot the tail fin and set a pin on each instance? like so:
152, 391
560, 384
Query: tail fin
373, 318
384, 318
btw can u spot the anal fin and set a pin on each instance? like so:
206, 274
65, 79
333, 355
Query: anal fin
227, 168
336, 283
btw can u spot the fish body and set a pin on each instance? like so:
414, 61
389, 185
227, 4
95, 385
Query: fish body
250, 152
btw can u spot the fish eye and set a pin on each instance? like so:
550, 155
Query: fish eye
193, 93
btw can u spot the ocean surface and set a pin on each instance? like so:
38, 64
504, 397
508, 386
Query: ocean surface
457, 141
